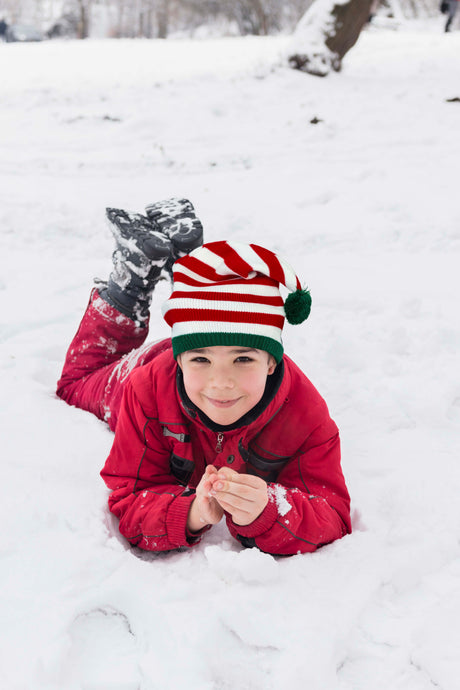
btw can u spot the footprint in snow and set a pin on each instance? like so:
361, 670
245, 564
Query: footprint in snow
102, 653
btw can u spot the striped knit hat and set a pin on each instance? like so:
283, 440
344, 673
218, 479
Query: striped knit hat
227, 293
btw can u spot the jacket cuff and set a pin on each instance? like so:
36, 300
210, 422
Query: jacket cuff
260, 525
195, 537
176, 521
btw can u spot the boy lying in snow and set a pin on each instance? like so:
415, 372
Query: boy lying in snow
215, 421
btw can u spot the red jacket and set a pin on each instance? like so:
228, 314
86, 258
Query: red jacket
161, 449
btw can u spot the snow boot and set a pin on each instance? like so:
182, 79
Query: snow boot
141, 253
177, 219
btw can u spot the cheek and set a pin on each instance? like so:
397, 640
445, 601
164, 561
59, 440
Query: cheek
193, 382
254, 384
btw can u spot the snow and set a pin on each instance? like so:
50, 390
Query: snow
277, 493
364, 204
315, 25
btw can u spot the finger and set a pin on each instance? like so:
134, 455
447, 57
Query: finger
206, 486
213, 478
248, 493
210, 470
234, 504
227, 473
237, 478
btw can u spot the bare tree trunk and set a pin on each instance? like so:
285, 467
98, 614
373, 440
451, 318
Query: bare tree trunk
262, 17
326, 33
250, 16
83, 18
163, 19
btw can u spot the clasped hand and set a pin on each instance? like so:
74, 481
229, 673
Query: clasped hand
244, 496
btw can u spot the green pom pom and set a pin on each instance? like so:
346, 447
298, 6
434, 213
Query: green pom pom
297, 306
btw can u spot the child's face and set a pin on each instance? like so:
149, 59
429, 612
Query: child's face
224, 381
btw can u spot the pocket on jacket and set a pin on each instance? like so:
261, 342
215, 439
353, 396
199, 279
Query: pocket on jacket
265, 468
181, 468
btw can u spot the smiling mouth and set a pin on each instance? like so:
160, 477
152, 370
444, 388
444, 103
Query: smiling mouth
223, 403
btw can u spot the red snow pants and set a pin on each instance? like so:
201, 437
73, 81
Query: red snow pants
105, 349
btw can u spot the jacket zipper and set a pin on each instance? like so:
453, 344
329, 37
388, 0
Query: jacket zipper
220, 440
220, 436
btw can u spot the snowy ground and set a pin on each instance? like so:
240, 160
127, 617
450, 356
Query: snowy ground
364, 204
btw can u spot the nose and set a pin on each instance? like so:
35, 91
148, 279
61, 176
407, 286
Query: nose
221, 377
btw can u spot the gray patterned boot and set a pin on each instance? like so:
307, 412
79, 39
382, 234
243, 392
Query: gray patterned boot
141, 253
177, 219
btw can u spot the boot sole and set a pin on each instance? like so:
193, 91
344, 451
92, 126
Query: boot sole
134, 228
176, 218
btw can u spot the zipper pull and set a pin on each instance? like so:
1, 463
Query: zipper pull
220, 440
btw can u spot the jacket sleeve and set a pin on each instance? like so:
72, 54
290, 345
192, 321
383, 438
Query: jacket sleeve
308, 506
151, 505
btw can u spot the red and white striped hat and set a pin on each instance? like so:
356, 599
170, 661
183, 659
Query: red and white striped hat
227, 293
